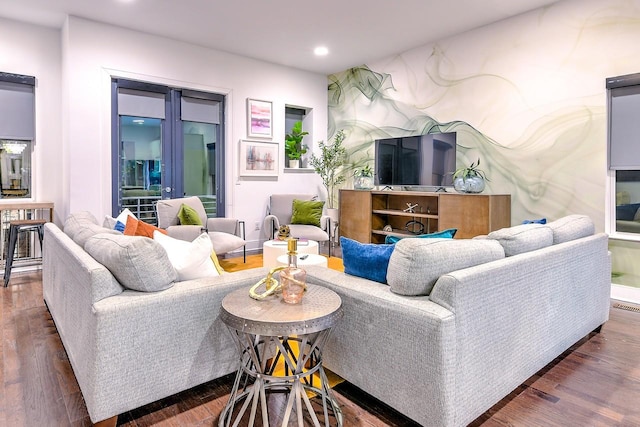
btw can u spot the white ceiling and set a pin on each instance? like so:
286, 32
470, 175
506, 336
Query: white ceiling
283, 31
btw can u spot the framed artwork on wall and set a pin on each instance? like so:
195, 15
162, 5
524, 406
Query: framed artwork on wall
258, 158
259, 119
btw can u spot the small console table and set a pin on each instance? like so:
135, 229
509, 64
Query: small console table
369, 216
265, 332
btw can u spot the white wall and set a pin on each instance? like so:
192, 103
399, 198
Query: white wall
32, 50
73, 69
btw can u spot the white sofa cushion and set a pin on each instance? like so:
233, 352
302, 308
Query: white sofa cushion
571, 227
82, 225
139, 263
523, 238
191, 260
416, 264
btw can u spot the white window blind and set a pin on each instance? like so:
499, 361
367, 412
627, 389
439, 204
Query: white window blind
17, 110
200, 110
624, 122
140, 103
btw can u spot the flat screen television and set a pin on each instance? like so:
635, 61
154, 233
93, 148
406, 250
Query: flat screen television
422, 162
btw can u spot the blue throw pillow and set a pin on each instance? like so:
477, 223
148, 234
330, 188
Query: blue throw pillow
535, 221
368, 260
627, 212
444, 234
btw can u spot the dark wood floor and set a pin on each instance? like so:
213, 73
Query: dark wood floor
596, 383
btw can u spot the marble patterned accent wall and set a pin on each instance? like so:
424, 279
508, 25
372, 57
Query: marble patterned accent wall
526, 95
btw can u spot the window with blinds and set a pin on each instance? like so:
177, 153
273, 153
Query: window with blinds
17, 134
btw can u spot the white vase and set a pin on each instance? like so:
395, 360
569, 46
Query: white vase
294, 164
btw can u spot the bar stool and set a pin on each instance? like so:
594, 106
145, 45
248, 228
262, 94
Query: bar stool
16, 227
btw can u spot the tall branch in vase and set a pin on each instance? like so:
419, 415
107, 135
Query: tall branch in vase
328, 165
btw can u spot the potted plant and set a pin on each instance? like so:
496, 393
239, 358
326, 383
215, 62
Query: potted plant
469, 179
363, 178
331, 158
293, 146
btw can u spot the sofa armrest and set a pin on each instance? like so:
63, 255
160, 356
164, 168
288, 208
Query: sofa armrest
269, 224
224, 225
416, 334
325, 224
174, 340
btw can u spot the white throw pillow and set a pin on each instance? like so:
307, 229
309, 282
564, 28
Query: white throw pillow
191, 260
121, 220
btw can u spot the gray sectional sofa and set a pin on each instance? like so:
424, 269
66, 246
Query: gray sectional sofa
132, 347
460, 324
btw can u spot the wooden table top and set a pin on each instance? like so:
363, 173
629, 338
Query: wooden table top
320, 309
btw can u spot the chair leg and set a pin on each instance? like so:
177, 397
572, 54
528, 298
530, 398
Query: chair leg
41, 236
329, 230
13, 235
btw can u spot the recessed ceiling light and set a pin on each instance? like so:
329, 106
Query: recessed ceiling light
321, 51
138, 121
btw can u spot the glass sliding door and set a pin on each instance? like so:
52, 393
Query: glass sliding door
140, 165
139, 129
201, 118
167, 143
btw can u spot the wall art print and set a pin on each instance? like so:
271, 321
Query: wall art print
259, 119
258, 158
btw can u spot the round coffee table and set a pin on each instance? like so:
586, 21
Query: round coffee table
272, 249
264, 332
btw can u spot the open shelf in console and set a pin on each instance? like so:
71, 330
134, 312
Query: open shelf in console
364, 214
406, 212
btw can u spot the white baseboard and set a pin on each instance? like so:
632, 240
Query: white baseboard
625, 293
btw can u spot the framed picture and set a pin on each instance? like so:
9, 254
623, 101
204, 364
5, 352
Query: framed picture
259, 119
258, 158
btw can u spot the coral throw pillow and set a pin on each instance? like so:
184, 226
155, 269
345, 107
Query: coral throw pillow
136, 227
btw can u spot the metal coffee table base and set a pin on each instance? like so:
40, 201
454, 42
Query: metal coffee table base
256, 377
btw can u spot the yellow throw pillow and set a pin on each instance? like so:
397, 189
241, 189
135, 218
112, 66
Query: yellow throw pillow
307, 212
216, 262
188, 216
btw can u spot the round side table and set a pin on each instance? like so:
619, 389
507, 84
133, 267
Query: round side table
305, 260
264, 332
272, 249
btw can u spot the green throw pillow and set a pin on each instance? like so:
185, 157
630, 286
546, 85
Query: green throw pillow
188, 216
307, 212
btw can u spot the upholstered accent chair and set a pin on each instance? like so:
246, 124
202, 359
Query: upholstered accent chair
280, 212
227, 234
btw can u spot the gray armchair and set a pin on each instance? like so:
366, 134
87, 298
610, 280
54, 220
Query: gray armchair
280, 212
226, 234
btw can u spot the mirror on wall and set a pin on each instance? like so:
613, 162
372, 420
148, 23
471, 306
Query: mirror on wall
15, 168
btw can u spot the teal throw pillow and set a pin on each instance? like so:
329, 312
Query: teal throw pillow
307, 212
368, 260
449, 233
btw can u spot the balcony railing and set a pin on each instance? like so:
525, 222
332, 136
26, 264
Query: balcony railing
144, 207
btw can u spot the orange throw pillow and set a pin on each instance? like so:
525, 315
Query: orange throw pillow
136, 227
